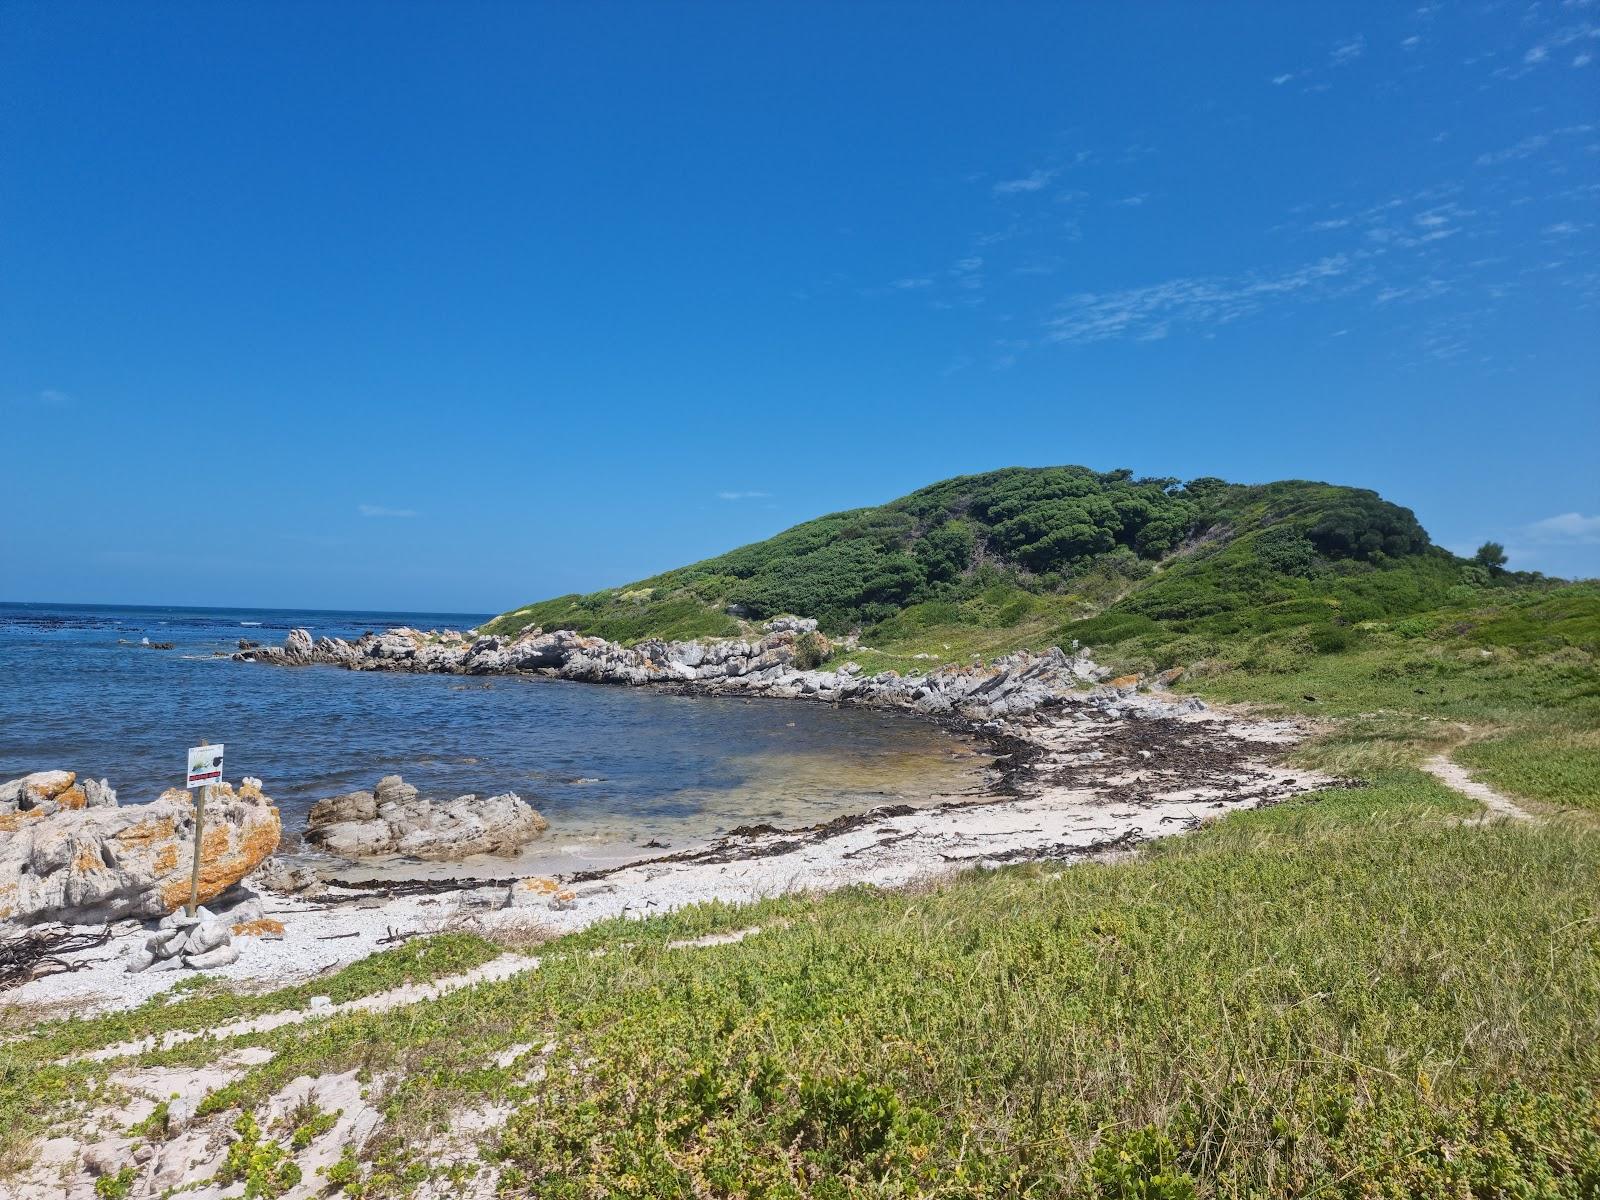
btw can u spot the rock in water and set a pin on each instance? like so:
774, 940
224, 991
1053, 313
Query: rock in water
394, 819
297, 646
84, 859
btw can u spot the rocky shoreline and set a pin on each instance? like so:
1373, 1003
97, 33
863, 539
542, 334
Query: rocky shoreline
1086, 766
1080, 784
1006, 688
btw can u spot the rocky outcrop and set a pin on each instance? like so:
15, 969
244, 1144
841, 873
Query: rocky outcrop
47, 792
394, 818
70, 853
1004, 688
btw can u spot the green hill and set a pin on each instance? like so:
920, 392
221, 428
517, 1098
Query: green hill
1307, 597
1012, 557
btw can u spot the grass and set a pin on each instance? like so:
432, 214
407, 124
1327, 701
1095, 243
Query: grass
1552, 763
1353, 995
35, 1082
998, 620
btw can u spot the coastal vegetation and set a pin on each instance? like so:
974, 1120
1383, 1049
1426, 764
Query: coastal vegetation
1065, 539
1355, 995
1361, 992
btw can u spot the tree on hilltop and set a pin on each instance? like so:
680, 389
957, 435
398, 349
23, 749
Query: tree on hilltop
1491, 555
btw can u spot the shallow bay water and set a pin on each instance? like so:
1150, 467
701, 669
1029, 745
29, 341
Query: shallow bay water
611, 767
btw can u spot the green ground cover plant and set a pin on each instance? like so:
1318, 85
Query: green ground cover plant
37, 1078
1350, 995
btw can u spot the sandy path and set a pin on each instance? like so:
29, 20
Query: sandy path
1497, 806
503, 967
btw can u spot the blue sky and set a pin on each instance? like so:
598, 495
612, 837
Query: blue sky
457, 306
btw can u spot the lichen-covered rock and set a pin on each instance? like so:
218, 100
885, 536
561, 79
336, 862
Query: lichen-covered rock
400, 821
72, 854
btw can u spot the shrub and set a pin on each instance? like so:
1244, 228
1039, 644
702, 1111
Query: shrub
1330, 639
258, 1161
1286, 550
1361, 524
810, 651
1141, 1165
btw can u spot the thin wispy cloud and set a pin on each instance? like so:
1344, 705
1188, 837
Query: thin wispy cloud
1150, 313
1572, 529
1034, 181
1530, 145
1543, 51
968, 273
44, 398
1135, 201
744, 495
383, 511
1347, 51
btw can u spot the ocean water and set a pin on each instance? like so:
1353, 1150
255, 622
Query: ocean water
610, 767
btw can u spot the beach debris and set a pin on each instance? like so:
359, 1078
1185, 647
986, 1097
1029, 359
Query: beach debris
70, 853
395, 819
37, 953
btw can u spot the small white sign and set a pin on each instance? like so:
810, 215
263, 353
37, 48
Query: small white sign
205, 765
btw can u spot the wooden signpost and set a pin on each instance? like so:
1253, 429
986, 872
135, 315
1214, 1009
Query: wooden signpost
205, 768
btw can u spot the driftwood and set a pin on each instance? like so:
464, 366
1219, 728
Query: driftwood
37, 953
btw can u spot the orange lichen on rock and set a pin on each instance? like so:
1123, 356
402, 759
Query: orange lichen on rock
261, 927
11, 822
223, 863
539, 885
78, 856
1125, 681
145, 832
88, 859
47, 785
214, 842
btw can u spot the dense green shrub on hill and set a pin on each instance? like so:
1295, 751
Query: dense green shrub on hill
1045, 530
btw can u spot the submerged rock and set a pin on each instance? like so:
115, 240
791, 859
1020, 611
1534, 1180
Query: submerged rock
70, 853
394, 818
